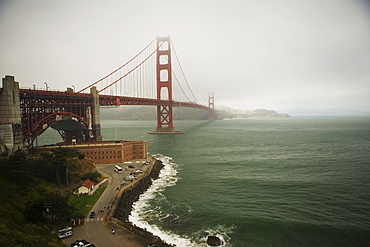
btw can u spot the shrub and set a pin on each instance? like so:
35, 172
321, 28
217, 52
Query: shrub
81, 156
93, 176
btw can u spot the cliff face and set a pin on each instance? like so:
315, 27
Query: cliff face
131, 195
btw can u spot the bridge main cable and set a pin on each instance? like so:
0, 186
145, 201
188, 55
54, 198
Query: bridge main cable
101, 90
117, 69
183, 74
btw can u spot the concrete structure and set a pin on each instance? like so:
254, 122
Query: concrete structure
11, 136
108, 152
27, 113
96, 114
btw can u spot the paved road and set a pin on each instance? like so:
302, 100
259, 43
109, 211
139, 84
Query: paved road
98, 230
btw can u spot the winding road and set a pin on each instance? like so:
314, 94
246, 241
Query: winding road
98, 230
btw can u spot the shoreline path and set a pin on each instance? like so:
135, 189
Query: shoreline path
98, 230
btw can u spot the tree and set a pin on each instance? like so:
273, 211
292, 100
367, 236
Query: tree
51, 205
93, 176
17, 168
61, 156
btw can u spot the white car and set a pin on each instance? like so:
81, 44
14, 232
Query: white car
129, 178
66, 228
65, 234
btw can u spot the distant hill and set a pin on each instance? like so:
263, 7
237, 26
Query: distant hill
150, 113
182, 113
305, 111
238, 113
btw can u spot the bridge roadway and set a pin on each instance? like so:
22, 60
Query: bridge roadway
98, 230
42, 98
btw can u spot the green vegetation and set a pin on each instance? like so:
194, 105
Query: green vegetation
36, 196
62, 160
93, 176
83, 203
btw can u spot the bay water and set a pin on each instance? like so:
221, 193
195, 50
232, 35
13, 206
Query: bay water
299, 181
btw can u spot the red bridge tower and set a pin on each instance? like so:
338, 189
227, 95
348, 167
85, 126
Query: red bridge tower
164, 86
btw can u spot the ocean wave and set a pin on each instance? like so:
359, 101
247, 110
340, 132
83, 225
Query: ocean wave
143, 212
142, 208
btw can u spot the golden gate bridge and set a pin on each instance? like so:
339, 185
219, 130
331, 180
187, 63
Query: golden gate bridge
149, 78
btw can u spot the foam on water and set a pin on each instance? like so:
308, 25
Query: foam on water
142, 209
167, 177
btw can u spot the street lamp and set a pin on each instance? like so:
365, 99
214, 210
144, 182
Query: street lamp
46, 85
74, 89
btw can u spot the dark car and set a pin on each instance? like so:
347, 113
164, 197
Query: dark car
131, 166
80, 243
92, 215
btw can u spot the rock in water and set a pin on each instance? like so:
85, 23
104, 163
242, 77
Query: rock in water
213, 241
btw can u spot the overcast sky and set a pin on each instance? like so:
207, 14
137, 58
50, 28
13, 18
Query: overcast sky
273, 54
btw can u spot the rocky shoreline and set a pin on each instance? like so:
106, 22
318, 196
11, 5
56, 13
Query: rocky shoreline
132, 193
129, 196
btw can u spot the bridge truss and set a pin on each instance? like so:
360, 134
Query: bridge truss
76, 115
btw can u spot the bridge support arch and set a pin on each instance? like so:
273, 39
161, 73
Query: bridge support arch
27, 113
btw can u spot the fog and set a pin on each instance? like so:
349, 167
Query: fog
273, 54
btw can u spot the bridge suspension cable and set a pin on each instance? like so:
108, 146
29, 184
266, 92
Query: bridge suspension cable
137, 77
118, 68
183, 74
137, 66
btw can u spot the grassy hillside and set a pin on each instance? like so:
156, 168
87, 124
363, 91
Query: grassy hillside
14, 229
32, 205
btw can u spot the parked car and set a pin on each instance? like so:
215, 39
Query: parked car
65, 234
66, 228
80, 243
92, 215
131, 166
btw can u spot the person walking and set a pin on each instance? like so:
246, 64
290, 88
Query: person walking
113, 231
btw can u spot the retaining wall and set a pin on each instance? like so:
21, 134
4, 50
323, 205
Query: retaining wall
129, 196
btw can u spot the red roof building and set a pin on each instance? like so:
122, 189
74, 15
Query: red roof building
86, 187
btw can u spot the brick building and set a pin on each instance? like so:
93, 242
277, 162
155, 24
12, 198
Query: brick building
106, 152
